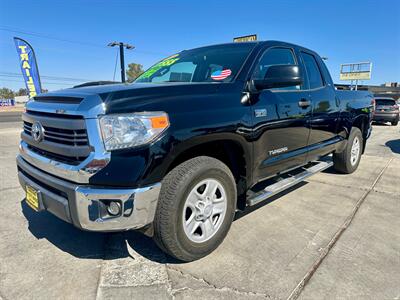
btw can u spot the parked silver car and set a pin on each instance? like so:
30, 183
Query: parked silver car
386, 110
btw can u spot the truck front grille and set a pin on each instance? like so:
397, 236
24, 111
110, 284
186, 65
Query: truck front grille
77, 137
64, 139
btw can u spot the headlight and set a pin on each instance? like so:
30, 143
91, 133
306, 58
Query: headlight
121, 131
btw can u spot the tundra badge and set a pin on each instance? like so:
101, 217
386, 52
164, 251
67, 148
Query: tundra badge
260, 113
277, 151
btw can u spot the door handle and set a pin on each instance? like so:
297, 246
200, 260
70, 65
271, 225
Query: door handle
304, 103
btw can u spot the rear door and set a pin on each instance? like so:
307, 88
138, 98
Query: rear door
280, 121
325, 107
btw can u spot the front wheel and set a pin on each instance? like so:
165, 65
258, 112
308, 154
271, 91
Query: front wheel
196, 208
347, 161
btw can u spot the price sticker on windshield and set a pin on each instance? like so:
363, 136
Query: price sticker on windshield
164, 63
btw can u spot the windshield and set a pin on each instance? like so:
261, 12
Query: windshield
218, 63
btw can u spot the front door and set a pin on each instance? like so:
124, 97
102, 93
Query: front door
281, 118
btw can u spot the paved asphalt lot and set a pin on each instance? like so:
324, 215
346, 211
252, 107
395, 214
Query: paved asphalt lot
10, 116
333, 237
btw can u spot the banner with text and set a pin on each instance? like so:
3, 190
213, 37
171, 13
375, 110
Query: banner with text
29, 67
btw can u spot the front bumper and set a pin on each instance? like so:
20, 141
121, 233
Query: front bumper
85, 206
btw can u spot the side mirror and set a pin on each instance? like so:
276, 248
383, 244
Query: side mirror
279, 76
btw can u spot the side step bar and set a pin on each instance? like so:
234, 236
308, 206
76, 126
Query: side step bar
286, 183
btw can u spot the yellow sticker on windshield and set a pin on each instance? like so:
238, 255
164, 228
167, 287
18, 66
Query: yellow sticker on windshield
172, 56
164, 63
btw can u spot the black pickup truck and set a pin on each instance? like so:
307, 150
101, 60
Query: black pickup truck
198, 136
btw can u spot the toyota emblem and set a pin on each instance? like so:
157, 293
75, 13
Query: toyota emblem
37, 132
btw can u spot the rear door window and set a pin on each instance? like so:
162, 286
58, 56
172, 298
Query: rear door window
313, 73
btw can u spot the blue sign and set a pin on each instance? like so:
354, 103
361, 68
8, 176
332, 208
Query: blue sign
29, 68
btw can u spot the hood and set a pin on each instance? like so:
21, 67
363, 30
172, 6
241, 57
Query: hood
150, 96
109, 92
120, 98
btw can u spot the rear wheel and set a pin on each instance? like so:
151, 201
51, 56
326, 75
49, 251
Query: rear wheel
348, 160
196, 208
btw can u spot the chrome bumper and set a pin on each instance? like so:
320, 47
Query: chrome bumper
83, 205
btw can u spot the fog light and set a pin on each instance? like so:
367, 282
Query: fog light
114, 208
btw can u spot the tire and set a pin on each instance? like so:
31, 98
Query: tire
394, 123
345, 162
181, 224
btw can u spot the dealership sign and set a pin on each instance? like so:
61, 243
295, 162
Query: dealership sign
356, 71
246, 38
29, 68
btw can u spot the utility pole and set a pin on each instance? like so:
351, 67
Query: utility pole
121, 55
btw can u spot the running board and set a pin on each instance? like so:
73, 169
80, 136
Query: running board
286, 183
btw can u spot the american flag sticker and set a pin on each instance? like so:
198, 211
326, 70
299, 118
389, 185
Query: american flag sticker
221, 74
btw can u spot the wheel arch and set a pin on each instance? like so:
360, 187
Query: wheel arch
234, 153
362, 123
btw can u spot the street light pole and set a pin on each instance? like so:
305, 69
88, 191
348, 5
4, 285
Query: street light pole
121, 55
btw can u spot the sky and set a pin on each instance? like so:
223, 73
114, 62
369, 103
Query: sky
70, 37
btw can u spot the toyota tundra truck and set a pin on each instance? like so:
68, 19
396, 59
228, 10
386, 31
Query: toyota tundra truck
200, 135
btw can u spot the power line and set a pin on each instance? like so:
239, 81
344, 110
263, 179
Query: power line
14, 74
40, 35
21, 81
115, 67
50, 37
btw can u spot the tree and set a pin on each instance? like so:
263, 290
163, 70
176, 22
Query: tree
134, 71
6, 93
21, 92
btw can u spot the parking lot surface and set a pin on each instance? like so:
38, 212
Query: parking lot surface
333, 236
